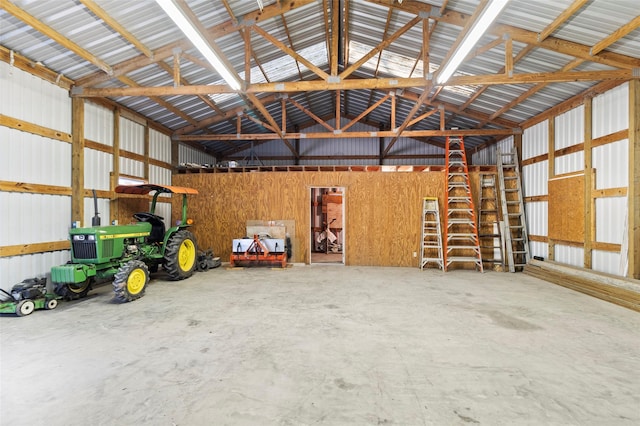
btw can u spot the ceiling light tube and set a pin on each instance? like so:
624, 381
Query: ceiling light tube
488, 15
199, 41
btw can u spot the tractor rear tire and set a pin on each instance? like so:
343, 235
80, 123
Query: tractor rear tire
25, 307
130, 281
74, 291
181, 255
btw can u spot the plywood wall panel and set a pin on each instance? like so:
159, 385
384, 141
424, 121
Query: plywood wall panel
382, 210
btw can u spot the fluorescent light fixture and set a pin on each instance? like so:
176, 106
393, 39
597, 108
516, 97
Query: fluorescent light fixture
479, 27
199, 41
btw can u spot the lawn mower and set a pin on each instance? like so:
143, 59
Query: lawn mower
26, 297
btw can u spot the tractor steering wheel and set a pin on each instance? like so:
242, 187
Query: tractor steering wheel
147, 217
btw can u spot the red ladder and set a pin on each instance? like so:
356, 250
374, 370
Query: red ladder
461, 243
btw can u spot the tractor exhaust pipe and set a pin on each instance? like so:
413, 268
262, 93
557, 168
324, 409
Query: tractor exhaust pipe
95, 220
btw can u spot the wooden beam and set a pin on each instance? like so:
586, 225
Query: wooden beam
54, 35
335, 36
102, 14
551, 167
258, 122
577, 50
354, 84
14, 123
289, 51
332, 135
166, 105
77, 160
256, 102
615, 36
33, 188
561, 19
23, 249
383, 45
365, 112
405, 124
589, 206
634, 180
311, 114
217, 31
34, 68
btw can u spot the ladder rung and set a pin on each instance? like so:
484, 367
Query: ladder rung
461, 259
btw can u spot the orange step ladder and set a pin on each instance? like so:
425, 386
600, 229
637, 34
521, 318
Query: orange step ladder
461, 243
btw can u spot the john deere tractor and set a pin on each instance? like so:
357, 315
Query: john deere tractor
127, 253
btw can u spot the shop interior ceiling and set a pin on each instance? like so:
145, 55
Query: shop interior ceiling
329, 63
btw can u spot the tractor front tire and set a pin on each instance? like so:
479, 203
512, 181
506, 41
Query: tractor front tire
130, 281
25, 307
74, 291
181, 255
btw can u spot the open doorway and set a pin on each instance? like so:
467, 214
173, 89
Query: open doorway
327, 225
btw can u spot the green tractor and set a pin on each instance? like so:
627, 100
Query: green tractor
127, 253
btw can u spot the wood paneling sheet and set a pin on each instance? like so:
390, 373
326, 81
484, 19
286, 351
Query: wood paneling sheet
566, 208
382, 221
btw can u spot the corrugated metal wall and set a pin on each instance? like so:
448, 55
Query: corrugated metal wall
350, 147
31, 218
611, 162
24, 157
535, 142
488, 156
610, 114
187, 154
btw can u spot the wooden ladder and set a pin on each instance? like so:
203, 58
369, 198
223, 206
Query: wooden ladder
431, 234
489, 221
513, 213
460, 230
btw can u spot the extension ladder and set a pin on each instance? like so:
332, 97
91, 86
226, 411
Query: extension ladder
513, 213
461, 233
489, 231
431, 235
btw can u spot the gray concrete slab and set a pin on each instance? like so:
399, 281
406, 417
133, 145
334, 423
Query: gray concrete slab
327, 345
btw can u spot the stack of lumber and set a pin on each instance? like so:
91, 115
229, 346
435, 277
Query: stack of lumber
621, 291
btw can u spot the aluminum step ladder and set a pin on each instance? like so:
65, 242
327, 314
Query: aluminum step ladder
431, 234
489, 232
513, 213
461, 243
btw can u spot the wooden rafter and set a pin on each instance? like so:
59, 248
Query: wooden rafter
166, 105
102, 14
54, 35
354, 84
615, 36
407, 120
214, 32
365, 112
310, 114
383, 45
561, 19
361, 134
277, 43
335, 36
522, 36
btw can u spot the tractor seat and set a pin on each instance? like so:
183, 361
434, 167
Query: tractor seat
157, 226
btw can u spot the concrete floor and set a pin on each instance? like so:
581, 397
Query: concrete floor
327, 345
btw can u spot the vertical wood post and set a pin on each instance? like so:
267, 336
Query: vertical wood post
115, 175
77, 160
588, 184
634, 179
147, 132
552, 172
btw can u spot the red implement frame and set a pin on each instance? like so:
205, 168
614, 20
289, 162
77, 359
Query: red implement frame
258, 254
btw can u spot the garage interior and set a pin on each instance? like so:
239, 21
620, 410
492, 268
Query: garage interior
457, 183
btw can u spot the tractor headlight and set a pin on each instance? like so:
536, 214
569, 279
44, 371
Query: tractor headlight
78, 238
91, 237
